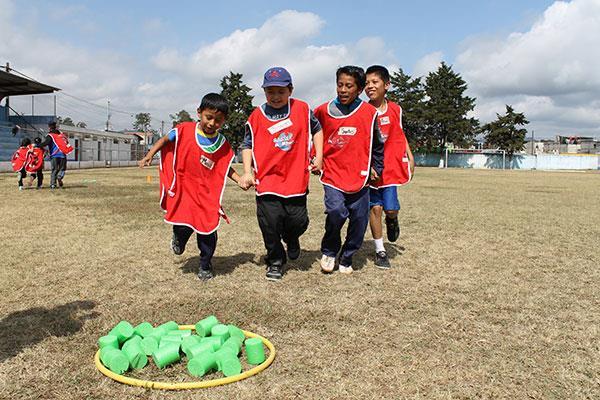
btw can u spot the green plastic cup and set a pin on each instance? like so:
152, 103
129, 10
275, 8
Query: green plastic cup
214, 341
228, 363
166, 355
236, 332
149, 345
181, 333
108, 340
188, 342
199, 349
123, 331
114, 359
143, 329
168, 340
221, 331
204, 326
255, 352
233, 344
134, 353
200, 366
169, 326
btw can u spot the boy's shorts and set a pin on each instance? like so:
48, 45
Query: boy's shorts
386, 197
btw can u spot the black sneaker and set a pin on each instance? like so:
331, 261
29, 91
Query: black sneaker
177, 248
205, 274
381, 260
275, 271
393, 229
293, 249
60, 183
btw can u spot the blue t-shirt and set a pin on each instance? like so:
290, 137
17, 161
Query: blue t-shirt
203, 139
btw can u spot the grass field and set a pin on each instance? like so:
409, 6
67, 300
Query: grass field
495, 291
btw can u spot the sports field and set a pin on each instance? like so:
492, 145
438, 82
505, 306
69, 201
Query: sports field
494, 293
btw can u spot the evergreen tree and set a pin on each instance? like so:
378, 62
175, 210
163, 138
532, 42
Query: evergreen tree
446, 110
240, 107
505, 132
81, 124
181, 116
66, 121
142, 122
409, 93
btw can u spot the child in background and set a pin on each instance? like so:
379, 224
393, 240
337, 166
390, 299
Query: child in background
352, 155
19, 160
35, 166
277, 144
195, 163
398, 160
58, 148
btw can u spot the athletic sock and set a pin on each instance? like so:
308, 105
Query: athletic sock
379, 245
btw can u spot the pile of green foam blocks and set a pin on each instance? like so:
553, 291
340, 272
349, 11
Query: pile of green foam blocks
211, 347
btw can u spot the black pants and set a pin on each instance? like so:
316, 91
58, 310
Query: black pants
39, 175
22, 174
206, 243
280, 219
59, 166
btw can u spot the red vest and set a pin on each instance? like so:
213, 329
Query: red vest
62, 142
192, 181
36, 159
19, 158
396, 167
347, 143
280, 151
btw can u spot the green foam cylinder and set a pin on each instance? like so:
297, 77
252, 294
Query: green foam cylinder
188, 342
114, 360
169, 326
108, 340
221, 331
168, 340
166, 355
204, 326
233, 344
123, 331
200, 366
181, 333
228, 363
255, 352
214, 341
143, 329
199, 349
149, 345
134, 353
236, 332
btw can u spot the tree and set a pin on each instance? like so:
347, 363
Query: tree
81, 124
240, 107
181, 116
410, 94
446, 109
65, 121
142, 122
504, 133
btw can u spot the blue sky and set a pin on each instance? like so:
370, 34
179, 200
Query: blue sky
158, 57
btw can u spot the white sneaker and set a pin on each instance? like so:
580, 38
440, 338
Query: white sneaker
327, 263
346, 269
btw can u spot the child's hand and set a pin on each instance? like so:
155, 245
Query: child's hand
374, 175
246, 181
144, 161
316, 166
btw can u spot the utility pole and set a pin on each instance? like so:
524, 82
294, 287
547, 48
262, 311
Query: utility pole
108, 116
32, 106
532, 141
162, 128
7, 97
55, 107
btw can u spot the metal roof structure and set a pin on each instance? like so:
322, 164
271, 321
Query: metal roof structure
14, 85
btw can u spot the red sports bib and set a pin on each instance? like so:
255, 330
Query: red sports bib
62, 142
36, 159
280, 151
347, 145
396, 167
192, 181
19, 158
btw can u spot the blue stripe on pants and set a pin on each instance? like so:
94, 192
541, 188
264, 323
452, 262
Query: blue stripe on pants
340, 206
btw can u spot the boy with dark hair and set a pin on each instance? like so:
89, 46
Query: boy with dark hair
35, 167
194, 164
398, 160
58, 148
19, 160
352, 155
277, 144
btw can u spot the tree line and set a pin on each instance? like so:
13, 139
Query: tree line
436, 112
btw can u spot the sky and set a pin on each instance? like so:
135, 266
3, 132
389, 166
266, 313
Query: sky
540, 57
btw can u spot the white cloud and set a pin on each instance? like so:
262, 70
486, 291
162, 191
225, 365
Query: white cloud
428, 63
551, 72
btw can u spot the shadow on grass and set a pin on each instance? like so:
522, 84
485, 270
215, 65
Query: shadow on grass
222, 265
27, 328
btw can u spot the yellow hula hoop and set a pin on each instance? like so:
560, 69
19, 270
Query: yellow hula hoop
190, 385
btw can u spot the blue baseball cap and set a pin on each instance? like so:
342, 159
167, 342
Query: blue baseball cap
277, 76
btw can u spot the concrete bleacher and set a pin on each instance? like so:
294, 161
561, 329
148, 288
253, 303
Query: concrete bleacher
8, 142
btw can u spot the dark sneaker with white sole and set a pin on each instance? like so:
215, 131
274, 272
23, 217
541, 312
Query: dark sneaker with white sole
177, 248
381, 260
293, 249
205, 274
274, 271
392, 228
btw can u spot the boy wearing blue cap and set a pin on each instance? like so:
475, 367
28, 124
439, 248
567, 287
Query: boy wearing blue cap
277, 147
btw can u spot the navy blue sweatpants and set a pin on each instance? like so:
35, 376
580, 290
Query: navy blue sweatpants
339, 207
206, 243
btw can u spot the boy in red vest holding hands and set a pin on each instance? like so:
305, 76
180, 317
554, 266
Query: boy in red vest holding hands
398, 160
352, 155
277, 144
195, 161
19, 160
35, 166
58, 148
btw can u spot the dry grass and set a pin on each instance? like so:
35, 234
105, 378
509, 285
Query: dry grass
495, 291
